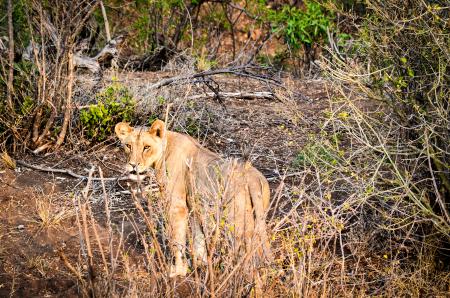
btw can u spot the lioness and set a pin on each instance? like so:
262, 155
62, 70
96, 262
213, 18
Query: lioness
196, 180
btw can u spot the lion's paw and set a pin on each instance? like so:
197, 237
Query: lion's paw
178, 270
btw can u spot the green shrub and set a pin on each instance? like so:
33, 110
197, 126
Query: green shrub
408, 48
302, 30
301, 27
316, 154
114, 104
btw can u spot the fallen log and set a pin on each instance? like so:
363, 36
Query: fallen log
92, 64
104, 57
243, 71
243, 95
239, 71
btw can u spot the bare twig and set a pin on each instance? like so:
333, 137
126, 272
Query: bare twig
74, 271
11, 57
66, 172
105, 19
97, 238
151, 228
239, 70
68, 108
87, 241
243, 95
110, 232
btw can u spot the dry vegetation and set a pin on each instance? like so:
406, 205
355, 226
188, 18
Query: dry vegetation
356, 150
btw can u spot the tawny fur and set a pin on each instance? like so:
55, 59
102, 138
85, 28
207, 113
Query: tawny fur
190, 171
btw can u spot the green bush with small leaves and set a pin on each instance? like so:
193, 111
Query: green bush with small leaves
318, 155
301, 27
114, 104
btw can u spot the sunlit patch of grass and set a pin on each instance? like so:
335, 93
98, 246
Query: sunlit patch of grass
49, 215
8, 161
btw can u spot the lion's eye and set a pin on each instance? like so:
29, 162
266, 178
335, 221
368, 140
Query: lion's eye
146, 148
128, 146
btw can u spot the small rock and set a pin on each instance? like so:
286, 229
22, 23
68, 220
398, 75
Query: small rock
20, 227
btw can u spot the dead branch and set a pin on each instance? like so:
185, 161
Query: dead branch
92, 64
105, 19
46, 131
86, 62
239, 71
81, 61
68, 108
110, 50
11, 58
66, 172
42, 147
243, 95
74, 271
243, 71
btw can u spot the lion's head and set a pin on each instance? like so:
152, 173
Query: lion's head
143, 145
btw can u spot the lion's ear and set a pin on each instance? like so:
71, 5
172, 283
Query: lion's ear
123, 130
158, 129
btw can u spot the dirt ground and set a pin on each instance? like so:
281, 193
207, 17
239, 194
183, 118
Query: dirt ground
38, 222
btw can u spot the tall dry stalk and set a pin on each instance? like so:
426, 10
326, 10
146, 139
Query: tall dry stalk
10, 86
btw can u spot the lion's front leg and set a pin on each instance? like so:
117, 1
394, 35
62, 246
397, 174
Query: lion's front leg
178, 223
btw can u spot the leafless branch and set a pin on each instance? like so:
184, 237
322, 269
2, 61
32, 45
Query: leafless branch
66, 172
11, 57
105, 18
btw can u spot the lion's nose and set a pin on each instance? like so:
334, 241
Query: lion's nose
134, 167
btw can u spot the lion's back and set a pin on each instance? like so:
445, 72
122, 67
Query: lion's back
208, 174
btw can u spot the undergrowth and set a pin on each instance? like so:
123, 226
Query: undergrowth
363, 208
114, 104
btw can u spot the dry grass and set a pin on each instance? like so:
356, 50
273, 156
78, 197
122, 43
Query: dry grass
7, 161
347, 219
49, 214
359, 190
347, 216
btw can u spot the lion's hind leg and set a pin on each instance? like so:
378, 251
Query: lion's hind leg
241, 221
199, 245
258, 196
